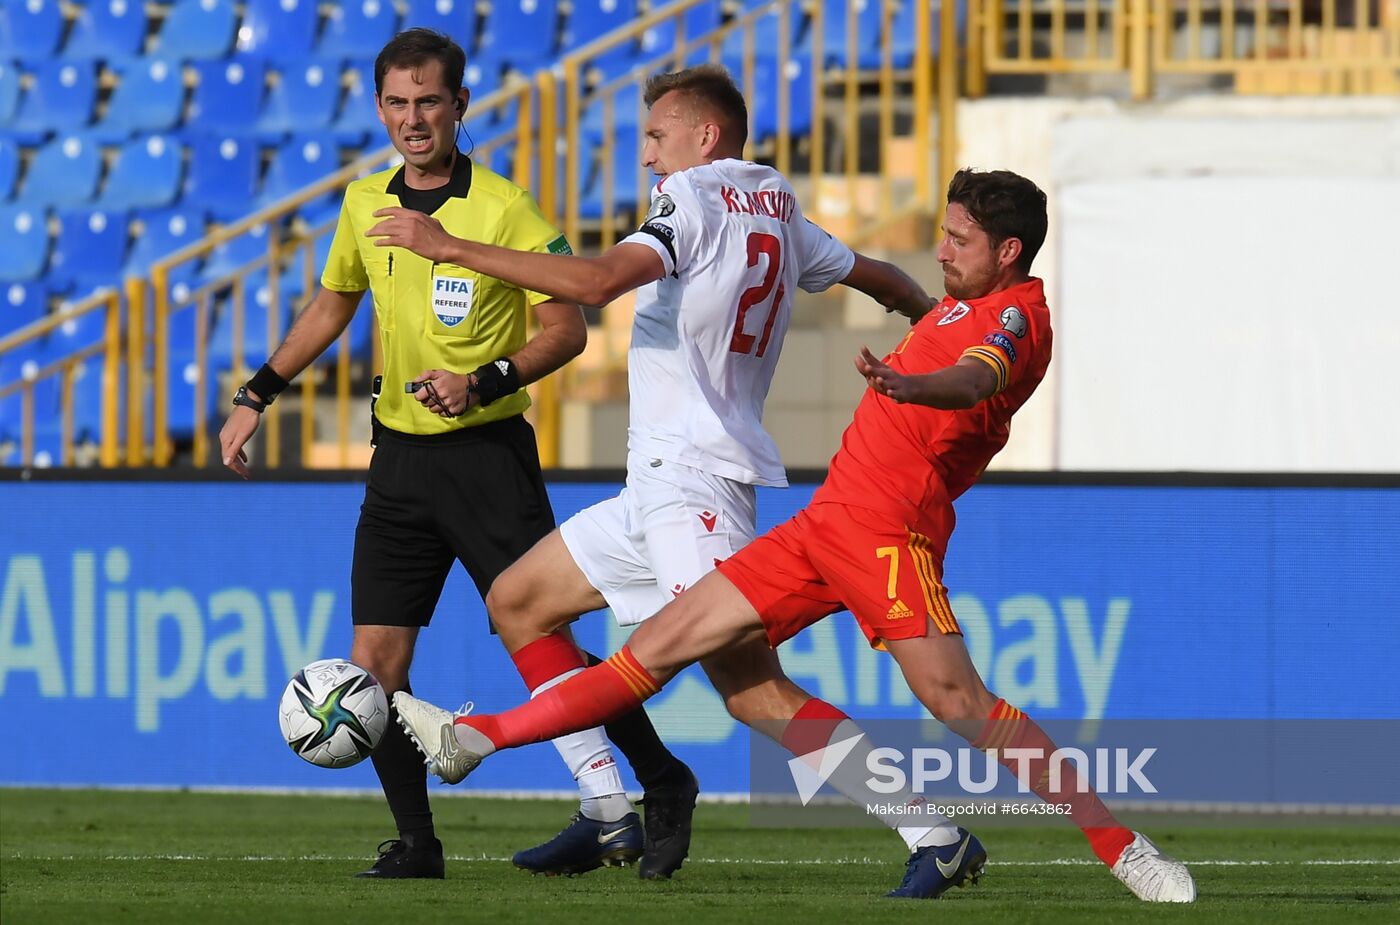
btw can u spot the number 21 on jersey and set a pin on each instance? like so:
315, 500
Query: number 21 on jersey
759, 244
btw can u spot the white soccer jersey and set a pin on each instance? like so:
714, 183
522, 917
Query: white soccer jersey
706, 337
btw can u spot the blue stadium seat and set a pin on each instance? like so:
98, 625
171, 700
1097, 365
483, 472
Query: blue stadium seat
282, 30
763, 107
232, 255
482, 77
9, 167
301, 161
624, 111
358, 28
627, 167
255, 313
90, 249
9, 92
699, 20
108, 29
146, 175
88, 392
766, 32
64, 172
902, 52
358, 120
26, 250
150, 98
198, 29
454, 18
61, 99
223, 175
75, 333
22, 304
185, 388
164, 232
592, 19
304, 100
228, 97
523, 32
30, 29
834, 14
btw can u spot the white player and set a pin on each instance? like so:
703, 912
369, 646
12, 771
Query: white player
716, 263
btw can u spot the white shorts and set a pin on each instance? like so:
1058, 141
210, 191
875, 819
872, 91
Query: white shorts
670, 526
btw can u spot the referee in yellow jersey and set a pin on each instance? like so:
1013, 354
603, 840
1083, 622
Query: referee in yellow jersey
456, 475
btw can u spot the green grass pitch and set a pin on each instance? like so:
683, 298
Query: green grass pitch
118, 856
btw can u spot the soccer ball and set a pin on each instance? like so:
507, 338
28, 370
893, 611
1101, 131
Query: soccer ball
333, 713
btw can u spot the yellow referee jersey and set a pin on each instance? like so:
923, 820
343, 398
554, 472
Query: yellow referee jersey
440, 316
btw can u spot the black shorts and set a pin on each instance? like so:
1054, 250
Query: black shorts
476, 496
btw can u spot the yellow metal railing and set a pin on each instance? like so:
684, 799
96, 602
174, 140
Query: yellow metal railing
1343, 46
66, 369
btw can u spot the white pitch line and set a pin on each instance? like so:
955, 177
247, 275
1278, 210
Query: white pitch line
781, 862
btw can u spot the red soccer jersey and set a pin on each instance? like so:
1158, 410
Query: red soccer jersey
912, 461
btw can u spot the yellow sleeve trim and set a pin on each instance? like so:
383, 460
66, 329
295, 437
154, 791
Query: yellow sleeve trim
993, 358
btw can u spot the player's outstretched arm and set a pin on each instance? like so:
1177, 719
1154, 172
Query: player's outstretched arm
953, 388
890, 286
584, 280
315, 329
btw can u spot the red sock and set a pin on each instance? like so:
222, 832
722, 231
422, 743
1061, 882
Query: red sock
546, 659
811, 727
595, 696
1008, 727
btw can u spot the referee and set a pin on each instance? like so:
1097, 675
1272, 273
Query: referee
456, 474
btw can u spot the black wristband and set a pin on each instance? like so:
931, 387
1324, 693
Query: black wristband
266, 384
496, 380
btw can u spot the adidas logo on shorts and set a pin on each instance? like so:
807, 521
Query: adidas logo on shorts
899, 611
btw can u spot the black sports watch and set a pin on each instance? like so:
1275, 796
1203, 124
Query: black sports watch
241, 397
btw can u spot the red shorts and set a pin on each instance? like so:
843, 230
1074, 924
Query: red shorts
830, 557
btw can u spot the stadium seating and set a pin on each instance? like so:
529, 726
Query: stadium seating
835, 31
164, 231
90, 249
627, 167
145, 175
149, 98
763, 106
522, 32
30, 30
22, 304
766, 30
699, 19
592, 19
228, 97
282, 30
9, 93
304, 100
358, 29
9, 167
301, 161
223, 175
456, 18
357, 120
26, 247
64, 172
61, 100
232, 255
111, 30
198, 29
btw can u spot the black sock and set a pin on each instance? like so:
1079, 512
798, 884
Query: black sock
635, 736
404, 778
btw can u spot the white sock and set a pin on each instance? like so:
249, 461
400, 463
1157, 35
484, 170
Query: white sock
590, 760
849, 780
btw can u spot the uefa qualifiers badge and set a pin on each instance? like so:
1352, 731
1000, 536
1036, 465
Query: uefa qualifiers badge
452, 298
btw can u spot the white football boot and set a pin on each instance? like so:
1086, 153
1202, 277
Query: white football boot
433, 732
1154, 877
